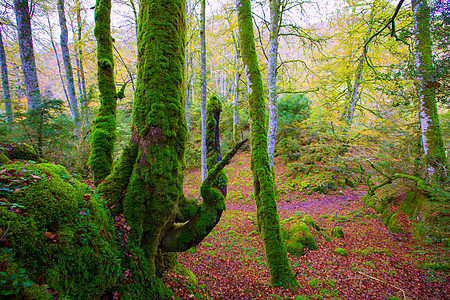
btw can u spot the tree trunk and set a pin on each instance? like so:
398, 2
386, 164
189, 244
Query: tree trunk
272, 76
104, 129
432, 141
80, 68
213, 109
27, 54
149, 175
57, 61
64, 37
203, 91
5, 84
187, 89
268, 219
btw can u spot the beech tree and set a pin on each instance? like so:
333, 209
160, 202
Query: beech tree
26, 51
67, 64
263, 183
146, 185
203, 89
433, 145
5, 83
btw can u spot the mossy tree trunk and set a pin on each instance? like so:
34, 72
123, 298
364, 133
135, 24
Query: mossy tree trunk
81, 78
268, 219
104, 129
213, 156
146, 185
432, 142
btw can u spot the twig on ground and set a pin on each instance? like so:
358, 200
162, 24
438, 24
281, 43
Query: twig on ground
385, 282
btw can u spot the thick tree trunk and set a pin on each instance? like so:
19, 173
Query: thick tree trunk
268, 219
26, 50
432, 141
104, 129
272, 76
64, 37
5, 84
203, 91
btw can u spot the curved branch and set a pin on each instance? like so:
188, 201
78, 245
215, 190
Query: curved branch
183, 237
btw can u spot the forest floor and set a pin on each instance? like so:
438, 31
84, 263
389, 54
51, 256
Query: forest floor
230, 263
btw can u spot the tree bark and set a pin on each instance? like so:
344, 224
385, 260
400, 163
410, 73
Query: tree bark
64, 37
432, 142
5, 84
272, 76
203, 91
104, 129
80, 67
26, 51
187, 89
263, 183
213, 109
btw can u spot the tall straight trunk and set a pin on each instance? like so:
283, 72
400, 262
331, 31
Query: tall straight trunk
64, 37
432, 142
104, 130
57, 61
5, 84
237, 79
80, 68
26, 51
272, 76
203, 91
18, 82
266, 208
187, 89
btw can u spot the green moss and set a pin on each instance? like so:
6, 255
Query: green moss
66, 232
3, 159
340, 251
337, 232
442, 267
263, 181
104, 129
213, 155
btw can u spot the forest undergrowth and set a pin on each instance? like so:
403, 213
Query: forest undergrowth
369, 262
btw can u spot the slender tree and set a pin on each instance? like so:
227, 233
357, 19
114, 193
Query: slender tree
203, 89
213, 109
432, 142
5, 83
81, 78
26, 51
104, 129
64, 37
272, 76
263, 183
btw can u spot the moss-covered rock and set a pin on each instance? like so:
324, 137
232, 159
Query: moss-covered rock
19, 151
337, 232
61, 233
340, 251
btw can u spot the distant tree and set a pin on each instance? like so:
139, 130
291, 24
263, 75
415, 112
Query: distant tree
5, 83
263, 183
203, 90
213, 109
67, 64
26, 51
